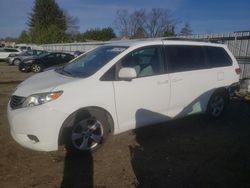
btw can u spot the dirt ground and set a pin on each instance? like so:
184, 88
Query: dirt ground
193, 152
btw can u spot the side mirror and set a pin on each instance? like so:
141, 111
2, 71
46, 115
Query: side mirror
127, 73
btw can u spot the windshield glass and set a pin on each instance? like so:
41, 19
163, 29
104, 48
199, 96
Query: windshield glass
92, 61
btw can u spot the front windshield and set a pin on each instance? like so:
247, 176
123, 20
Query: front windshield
92, 61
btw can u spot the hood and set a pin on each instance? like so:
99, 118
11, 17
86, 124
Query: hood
29, 57
42, 82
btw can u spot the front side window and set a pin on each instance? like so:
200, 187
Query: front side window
90, 62
146, 61
184, 58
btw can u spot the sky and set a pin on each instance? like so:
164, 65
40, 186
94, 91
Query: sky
204, 16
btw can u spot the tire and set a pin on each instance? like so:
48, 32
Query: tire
36, 68
217, 104
16, 62
88, 132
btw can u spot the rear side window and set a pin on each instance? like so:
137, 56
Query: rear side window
217, 57
184, 58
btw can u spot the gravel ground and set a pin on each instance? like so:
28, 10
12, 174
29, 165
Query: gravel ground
187, 153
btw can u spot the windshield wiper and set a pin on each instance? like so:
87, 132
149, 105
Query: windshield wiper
67, 72
62, 71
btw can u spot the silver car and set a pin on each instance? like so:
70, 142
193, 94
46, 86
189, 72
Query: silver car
16, 59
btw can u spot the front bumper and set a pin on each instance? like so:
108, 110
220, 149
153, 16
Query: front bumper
39, 122
10, 60
24, 67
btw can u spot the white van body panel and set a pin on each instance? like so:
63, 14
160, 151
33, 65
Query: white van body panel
50, 80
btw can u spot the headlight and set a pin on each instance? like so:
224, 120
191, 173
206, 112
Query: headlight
41, 98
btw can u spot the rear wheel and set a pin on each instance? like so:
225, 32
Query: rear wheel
36, 68
217, 104
16, 62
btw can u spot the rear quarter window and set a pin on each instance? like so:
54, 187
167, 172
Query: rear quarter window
217, 57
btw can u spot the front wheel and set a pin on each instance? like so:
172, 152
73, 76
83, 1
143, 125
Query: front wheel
217, 104
36, 68
87, 134
16, 62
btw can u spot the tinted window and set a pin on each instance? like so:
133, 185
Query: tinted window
51, 56
109, 75
38, 52
185, 58
146, 61
63, 57
32, 52
217, 57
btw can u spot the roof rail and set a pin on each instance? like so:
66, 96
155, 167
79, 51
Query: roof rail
194, 39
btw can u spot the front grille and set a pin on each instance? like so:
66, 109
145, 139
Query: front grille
16, 101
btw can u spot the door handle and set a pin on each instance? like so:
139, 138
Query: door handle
162, 82
177, 80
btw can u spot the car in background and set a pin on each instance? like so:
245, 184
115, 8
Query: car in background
15, 60
43, 61
23, 47
5, 53
77, 53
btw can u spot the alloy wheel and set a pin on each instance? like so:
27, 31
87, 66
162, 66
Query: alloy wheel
87, 134
36, 68
217, 105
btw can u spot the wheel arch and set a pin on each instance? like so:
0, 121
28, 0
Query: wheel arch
223, 90
69, 121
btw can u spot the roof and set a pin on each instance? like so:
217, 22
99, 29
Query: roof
177, 41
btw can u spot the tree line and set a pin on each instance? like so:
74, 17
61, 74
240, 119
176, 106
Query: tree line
48, 23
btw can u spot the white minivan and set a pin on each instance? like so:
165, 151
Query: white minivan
118, 87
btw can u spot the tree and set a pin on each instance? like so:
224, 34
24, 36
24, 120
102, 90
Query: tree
99, 34
156, 23
170, 32
24, 37
121, 22
159, 21
46, 15
136, 24
107, 34
140, 33
72, 23
186, 30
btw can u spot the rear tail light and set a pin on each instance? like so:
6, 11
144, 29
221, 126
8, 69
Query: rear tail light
238, 70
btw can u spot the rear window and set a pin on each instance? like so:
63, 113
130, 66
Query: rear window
184, 58
217, 57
